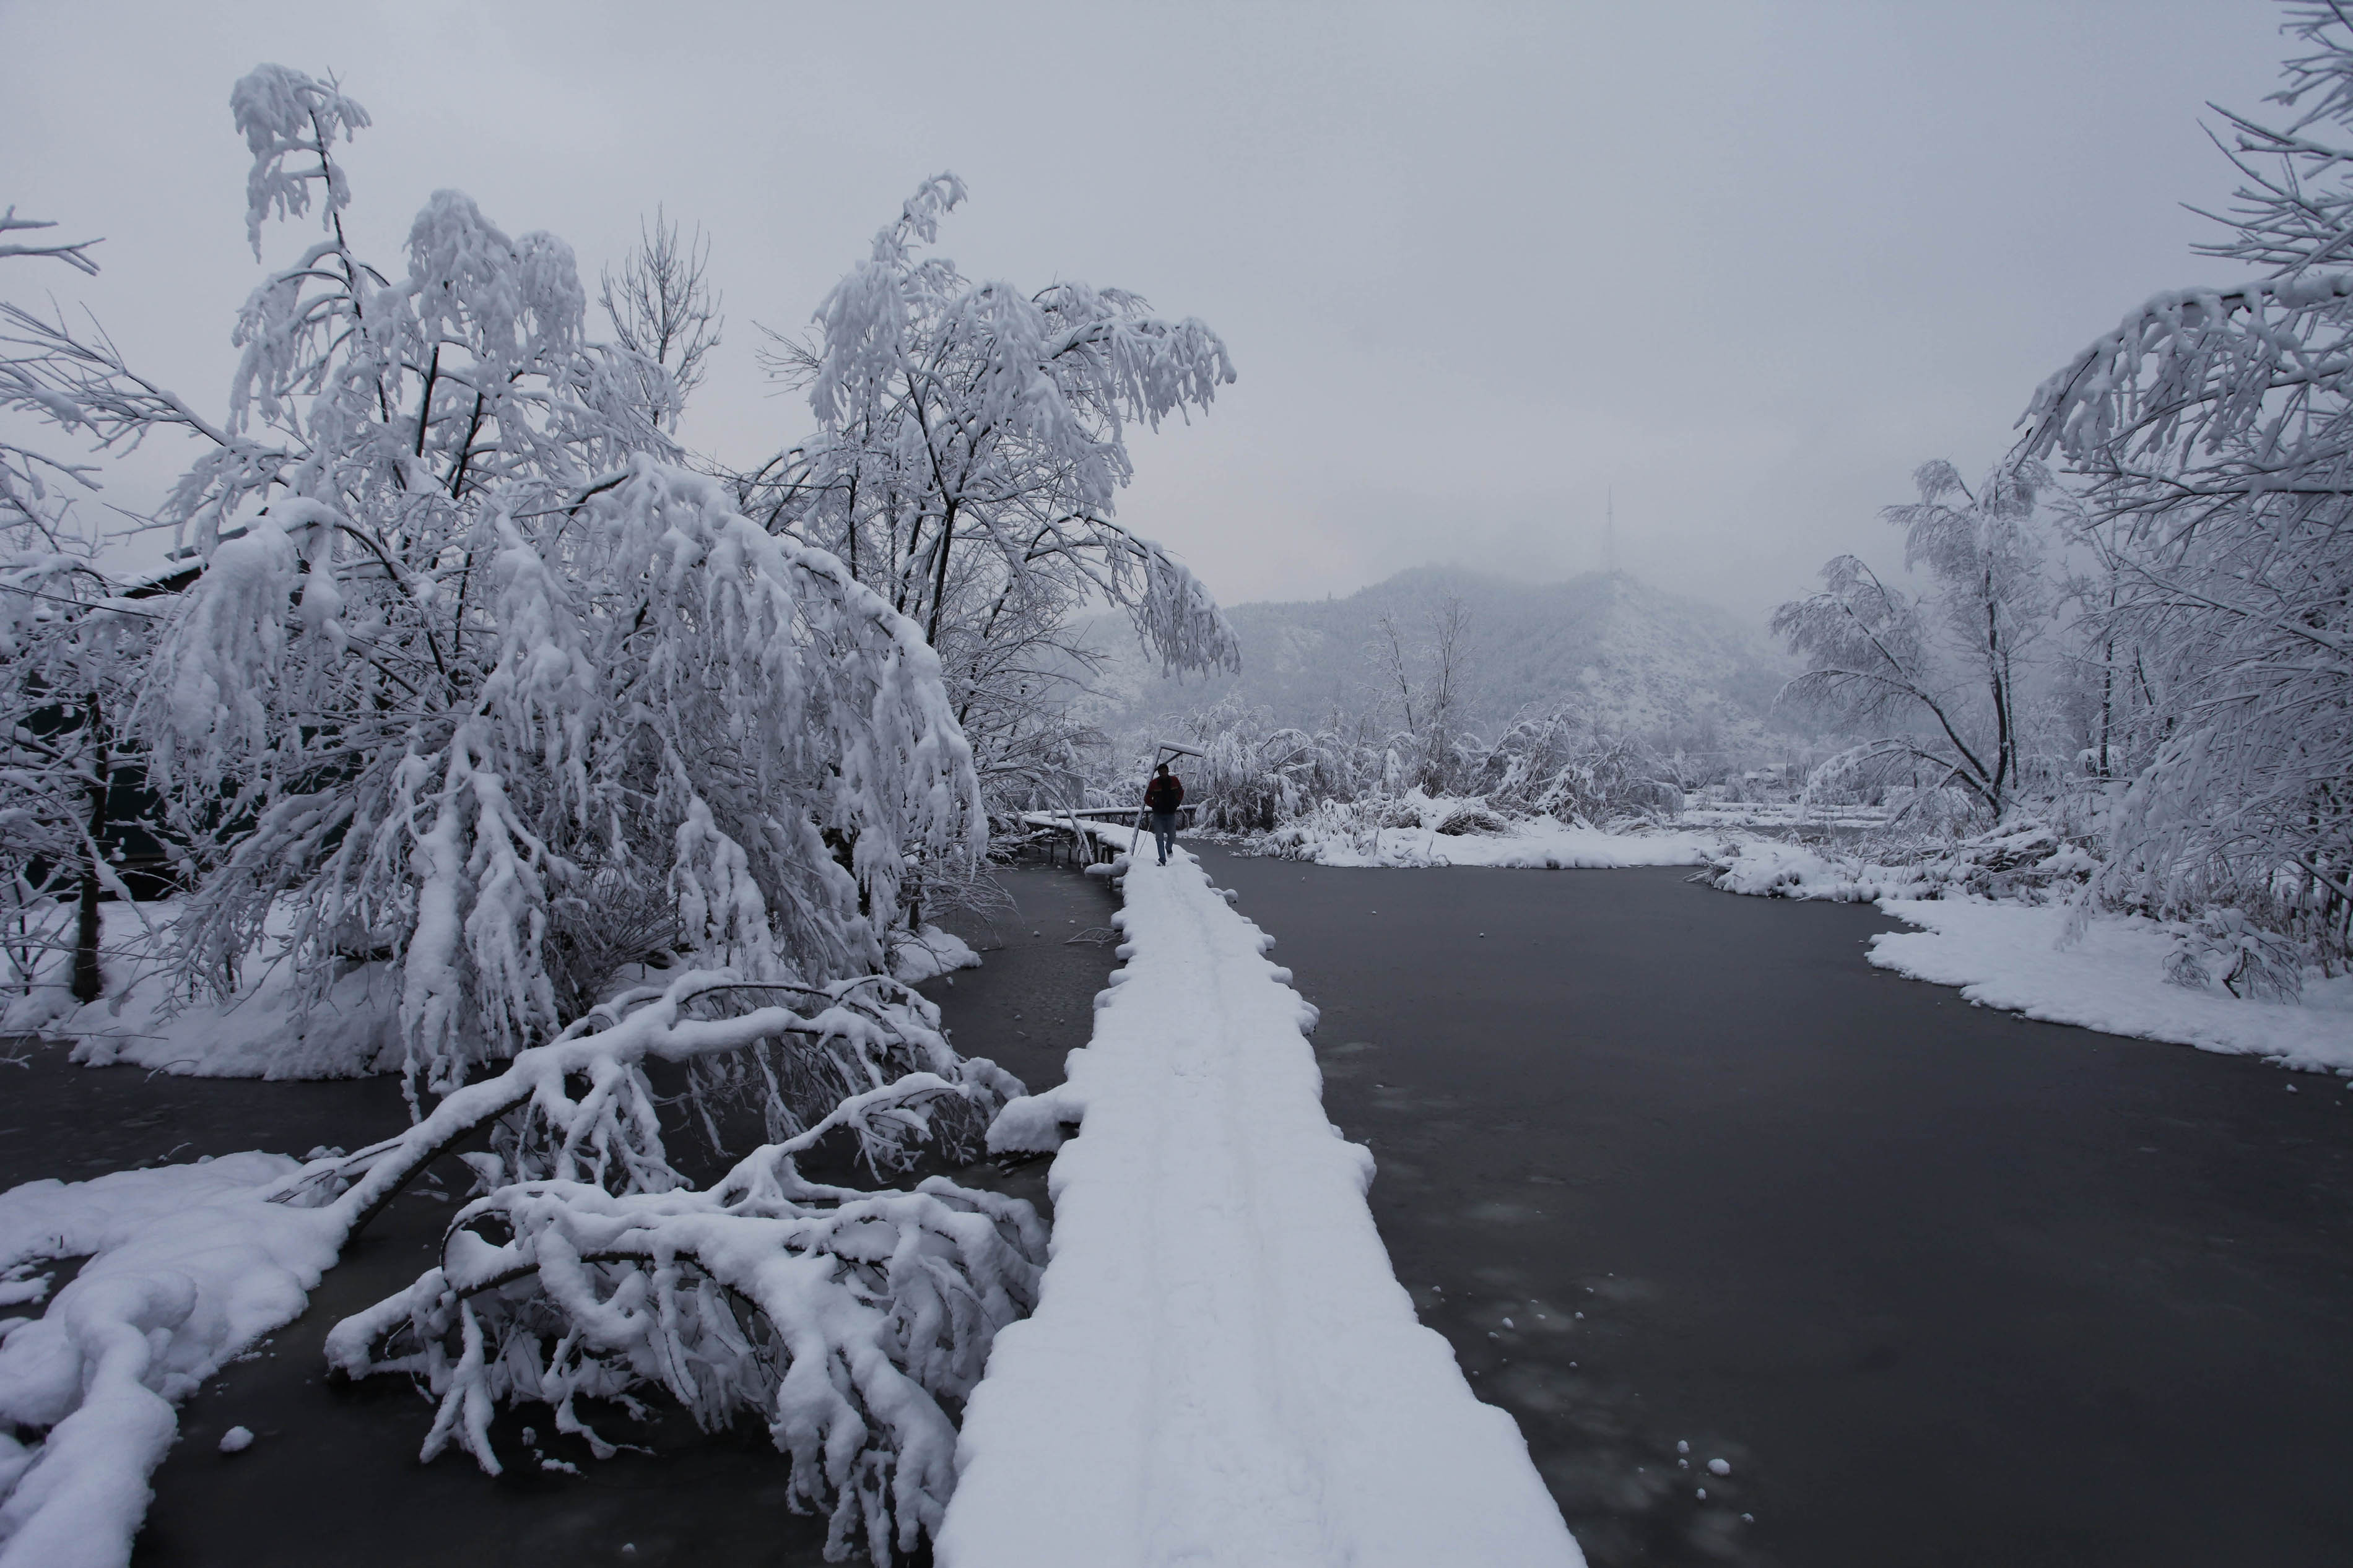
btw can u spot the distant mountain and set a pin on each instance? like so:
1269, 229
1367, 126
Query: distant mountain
1640, 661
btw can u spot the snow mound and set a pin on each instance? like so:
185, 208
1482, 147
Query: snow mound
188, 1265
1221, 1367
927, 954
260, 1031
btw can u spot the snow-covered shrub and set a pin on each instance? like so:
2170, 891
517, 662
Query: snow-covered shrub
1253, 775
1354, 826
1469, 817
2025, 861
1563, 764
2223, 947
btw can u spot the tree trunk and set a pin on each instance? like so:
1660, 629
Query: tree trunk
87, 982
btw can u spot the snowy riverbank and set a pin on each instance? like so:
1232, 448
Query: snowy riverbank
1421, 830
1222, 1367
265, 1030
2007, 953
2020, 953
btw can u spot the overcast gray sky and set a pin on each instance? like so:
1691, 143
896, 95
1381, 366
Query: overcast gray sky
1748, 264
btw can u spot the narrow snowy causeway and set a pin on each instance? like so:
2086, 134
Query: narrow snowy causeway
1222, 1368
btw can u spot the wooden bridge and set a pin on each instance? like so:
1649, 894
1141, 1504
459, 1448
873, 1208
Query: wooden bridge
1096, 834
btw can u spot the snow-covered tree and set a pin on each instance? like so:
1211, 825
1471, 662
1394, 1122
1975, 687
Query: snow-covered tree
1936, 680
2215, 427
663, 310
971, 441
71, 649
1420, 674
30, 478
476, 691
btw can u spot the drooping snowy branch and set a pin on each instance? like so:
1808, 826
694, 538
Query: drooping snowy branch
74, 254
72, 651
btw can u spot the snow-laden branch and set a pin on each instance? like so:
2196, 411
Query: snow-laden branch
843, 1319
840, 1319
74, 254
2215, 427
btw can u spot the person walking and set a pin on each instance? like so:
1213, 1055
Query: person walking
1162, 796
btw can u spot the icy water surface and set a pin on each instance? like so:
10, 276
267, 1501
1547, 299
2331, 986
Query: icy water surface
1941, 1288
332, 1481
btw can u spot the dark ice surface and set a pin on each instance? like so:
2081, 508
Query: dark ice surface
1943, 1287
333, 1480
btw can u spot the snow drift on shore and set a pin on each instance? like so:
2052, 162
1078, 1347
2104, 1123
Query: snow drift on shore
2107, 974
263, 1031
1222, 1367
1461, 831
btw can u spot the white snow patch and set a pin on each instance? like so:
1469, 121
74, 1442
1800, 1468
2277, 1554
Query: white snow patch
918, 957
260, 1031
237, 1440
188, 1265
1222, 1368
2110, 977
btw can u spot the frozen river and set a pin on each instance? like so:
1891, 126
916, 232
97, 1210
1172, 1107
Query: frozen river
1939, 1286
1942, 1286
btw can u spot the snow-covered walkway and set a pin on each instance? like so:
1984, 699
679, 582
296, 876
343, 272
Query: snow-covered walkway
1222, 1368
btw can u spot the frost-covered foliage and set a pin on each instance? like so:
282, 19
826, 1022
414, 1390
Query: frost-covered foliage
971, 441
1285, 789
1562, 764
652, 699
481, 686
1935, 680
35, 484
71, 651
1253, 775
2023, 860
2216, 426
475, 690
